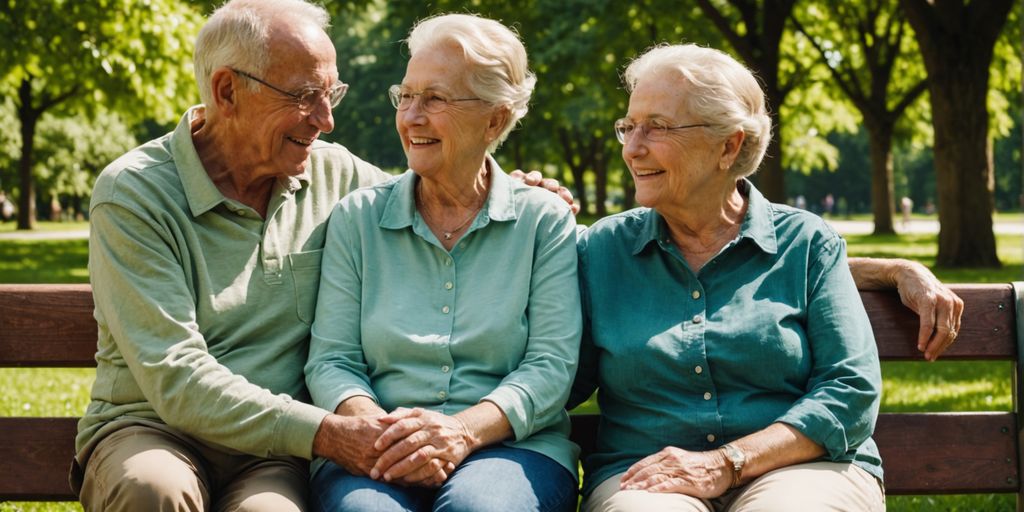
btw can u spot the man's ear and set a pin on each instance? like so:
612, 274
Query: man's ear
225, 83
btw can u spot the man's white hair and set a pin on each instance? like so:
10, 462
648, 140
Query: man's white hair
238, 35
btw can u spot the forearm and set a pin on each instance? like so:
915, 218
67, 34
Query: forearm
485, 425
359, 405
882, 273
778, 445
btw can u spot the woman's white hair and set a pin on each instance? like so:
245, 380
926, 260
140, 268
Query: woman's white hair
720, 92
238, 35
497, 59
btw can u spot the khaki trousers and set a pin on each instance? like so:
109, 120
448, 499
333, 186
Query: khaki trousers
817, 486
147, 468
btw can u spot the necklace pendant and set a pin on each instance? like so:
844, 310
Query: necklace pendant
447, 235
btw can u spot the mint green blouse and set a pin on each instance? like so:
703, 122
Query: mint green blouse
409, 324
771, 329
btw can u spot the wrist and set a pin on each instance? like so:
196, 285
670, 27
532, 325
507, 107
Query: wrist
735, 460
468, 437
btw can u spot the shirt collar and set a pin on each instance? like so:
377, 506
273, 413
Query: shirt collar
400, 210
758, 223
199, 189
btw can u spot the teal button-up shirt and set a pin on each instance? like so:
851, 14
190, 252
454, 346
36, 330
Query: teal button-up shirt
771, 329
409, 324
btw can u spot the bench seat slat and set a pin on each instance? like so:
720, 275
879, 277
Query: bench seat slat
36, 455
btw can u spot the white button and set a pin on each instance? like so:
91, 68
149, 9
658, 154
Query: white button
711, 438
698, 370
697, 319
445, 368
447, 262
445, 310
448, 285
695, 294
707, 396
441, 395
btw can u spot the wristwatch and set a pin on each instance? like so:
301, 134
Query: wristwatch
737, 458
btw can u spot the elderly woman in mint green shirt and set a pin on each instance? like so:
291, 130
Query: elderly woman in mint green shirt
448, 313
734, 362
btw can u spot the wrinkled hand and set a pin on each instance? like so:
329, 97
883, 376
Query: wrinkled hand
535, 179
348, 442
419, 444
937, 305
674, 470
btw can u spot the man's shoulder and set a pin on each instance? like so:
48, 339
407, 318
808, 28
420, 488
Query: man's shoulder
334, 159
149, 166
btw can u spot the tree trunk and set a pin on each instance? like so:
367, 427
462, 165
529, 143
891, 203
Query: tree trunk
771, 178
566, 141
600, 167
628, 190
28, 118
957, 41
880, 148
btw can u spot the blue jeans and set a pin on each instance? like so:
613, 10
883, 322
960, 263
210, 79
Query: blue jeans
493, 479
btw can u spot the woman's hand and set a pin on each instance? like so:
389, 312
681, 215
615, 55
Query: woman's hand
697, 474
417, 445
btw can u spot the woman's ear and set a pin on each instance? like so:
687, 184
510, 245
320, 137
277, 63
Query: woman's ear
498, 122
731, 149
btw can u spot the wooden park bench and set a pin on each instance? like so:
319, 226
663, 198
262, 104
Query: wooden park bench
923, 453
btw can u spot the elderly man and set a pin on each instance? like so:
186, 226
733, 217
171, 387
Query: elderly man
205, 261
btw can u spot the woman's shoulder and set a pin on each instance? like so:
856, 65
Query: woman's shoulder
371, 195
797, 224
625, 225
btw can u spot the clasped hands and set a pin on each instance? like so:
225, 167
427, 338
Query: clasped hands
409, 447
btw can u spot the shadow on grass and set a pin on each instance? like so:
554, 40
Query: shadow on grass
44, 261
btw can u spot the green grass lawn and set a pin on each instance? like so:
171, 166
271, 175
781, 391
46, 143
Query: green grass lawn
906, 386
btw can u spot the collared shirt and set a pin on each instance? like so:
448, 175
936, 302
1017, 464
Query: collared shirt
771, 329
410, 324
203, 306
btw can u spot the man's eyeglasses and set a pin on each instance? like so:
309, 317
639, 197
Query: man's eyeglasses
305, 99
431, 101
652, 130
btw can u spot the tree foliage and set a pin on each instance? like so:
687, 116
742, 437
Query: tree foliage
69, 57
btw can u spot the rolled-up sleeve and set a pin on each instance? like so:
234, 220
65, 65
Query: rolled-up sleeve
839, 408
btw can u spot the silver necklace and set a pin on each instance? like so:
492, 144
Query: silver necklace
447, 233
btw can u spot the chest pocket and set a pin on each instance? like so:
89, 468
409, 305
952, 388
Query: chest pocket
305, 268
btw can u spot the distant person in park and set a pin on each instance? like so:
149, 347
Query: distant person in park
6, 207
906, 208
735, 366
466, 367
204, 255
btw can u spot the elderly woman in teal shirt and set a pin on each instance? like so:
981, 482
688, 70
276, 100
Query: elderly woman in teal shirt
448, 314
734, 362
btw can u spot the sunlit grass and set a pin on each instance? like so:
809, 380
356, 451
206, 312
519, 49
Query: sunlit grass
45, 226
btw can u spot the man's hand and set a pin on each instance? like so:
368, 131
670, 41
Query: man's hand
348, 442
536, 179
674, 470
